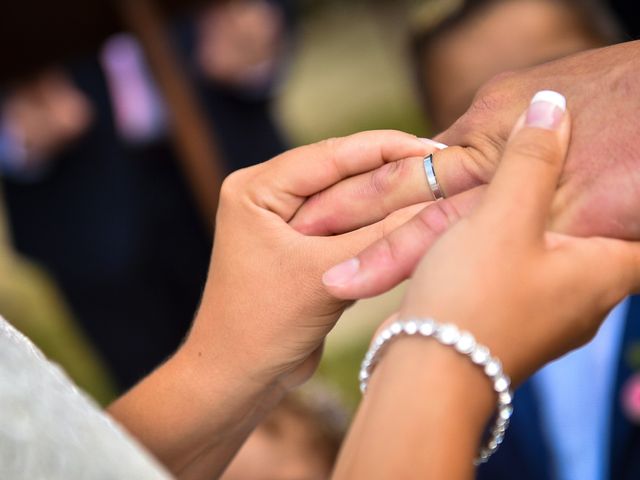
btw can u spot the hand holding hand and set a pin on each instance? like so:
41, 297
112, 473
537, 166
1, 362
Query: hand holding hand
598, 188
264, 313
528, 294
264, 298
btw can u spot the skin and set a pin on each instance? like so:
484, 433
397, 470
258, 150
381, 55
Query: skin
282, 449
519, 288
47, 114
244, 353
264, 313
599, 187
239, 42
458, 61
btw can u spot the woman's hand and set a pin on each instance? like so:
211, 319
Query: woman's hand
264, 300
264, 313
529, 295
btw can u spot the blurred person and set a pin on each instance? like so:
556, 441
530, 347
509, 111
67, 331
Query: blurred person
456, 56
92, 220
241, 43
97, 216
39, 119
298, 440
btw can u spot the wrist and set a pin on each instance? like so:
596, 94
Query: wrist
433, 404
433, 372
218, 372
207, 409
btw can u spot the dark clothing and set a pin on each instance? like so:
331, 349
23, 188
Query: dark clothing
117, 228
628, 13
525, 453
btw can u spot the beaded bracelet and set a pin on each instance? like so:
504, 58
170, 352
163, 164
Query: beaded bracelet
465, 344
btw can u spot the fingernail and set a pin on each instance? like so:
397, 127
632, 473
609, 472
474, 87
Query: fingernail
342, 273
433, 143
546, 110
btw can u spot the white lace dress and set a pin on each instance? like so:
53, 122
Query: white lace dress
50, 430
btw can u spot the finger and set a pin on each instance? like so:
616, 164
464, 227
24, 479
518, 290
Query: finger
336, 248
283, 183
364, 199
530, 168
392, 258
369, 197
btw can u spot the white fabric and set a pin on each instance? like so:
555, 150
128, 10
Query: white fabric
50, 430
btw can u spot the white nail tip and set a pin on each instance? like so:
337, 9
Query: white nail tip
438, 145
549, 96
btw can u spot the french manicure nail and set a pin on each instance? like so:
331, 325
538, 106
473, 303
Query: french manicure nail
433, 143
342, 273
546, 110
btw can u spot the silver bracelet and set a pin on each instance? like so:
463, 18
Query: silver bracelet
465, 344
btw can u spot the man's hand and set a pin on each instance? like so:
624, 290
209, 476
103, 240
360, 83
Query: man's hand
600, 184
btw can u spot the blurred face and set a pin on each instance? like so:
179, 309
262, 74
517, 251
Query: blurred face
505, 36
240, 42
281, 449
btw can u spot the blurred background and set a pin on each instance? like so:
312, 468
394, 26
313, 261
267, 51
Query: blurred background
118, 121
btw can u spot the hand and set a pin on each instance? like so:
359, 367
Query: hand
528, 294
264, 289
599, 187
264, 313
46, 115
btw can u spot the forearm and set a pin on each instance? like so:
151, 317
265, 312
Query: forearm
422, 417
193, 413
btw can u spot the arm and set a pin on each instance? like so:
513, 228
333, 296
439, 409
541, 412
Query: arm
416, 422
264, 313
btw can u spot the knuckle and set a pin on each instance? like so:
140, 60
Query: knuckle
328, 145
491, 97
438, 217
326, 149
536, 146
387, 251
233, 185
480, 161
387, 178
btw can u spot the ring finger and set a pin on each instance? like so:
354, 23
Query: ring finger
369, 197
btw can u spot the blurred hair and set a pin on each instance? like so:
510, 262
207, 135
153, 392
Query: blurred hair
433, 19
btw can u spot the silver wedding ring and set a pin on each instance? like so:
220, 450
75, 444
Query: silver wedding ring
432, 180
